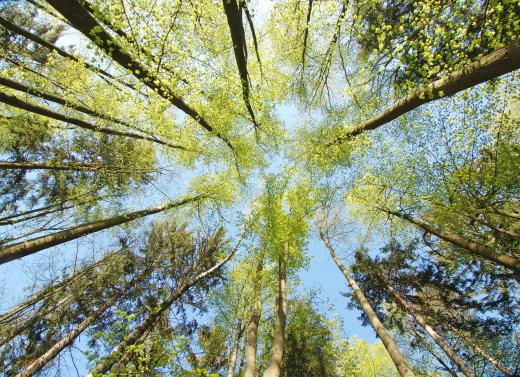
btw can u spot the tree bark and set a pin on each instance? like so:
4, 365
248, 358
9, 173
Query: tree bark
507, 261
24, 105
67, 340
147, 324
430, 330
400, 362
274, 366
252, 326
22, 249
493, 65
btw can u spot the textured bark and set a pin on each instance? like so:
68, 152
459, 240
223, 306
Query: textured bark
34, 245
67, 340
274, 366
430, 330
491, 66
82, 20
507, 261
24, 105
148, 323
400, 362
252, 326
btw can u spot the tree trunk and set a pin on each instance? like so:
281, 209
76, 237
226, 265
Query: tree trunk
147, 324
68, 166
252, 326
398, 359
493, 65
274, 366
34, 245
24, 105
435, 336
232, 360
496, 364
67, 340
430, 349
474, 248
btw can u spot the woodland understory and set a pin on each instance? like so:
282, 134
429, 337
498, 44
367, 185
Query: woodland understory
174, 173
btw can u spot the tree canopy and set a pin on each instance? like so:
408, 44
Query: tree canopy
170, 168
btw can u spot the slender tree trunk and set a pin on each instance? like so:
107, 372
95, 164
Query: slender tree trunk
431, 350
24, 105
274, 366
398, 359
233, 11
232, 359
67, 340
68, 166
493, 65
507, 261
252, 326
34, 245
493, 361
147, 324
435, 336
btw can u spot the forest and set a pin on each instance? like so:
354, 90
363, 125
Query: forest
260, 188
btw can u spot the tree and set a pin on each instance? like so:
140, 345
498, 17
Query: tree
397, 120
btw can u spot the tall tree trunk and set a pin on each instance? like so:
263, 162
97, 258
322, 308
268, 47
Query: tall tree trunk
67, 340
400, 362
435, 336
232, 360
507, 261
493, 65
68, 166
34, 245
252, 326
24, 105
147, 324
274, 366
